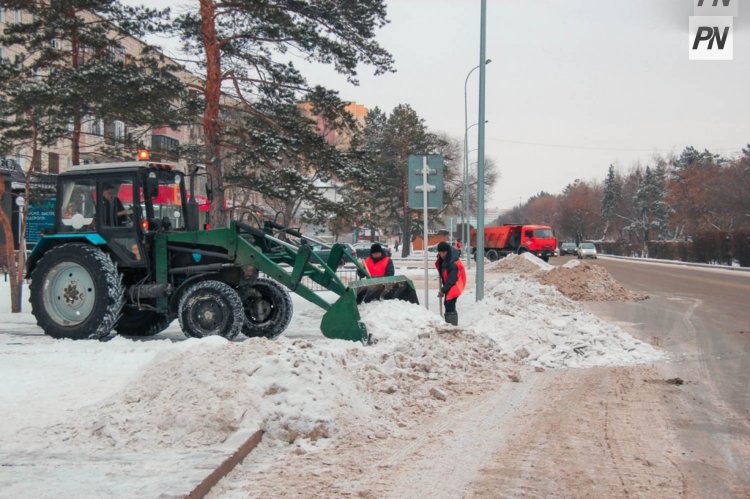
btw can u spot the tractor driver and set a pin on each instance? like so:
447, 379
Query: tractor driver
115, 214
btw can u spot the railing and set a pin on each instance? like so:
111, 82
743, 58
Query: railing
347, 274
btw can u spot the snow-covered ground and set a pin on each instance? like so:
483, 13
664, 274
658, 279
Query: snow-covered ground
153, 416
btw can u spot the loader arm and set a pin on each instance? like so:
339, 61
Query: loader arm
289, 263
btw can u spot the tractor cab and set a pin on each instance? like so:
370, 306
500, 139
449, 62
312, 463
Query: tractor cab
124, 203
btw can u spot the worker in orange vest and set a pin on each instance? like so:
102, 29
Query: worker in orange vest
378, 264
452, 279
457, 245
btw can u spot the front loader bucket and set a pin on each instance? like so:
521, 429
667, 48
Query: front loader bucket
385, 288
342, 321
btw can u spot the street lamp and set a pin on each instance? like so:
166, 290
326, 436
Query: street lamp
465, 198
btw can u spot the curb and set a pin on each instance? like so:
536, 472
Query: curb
203, 488
677, 263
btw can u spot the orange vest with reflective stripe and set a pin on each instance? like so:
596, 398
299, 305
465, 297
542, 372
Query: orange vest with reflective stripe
377, 269
457, 288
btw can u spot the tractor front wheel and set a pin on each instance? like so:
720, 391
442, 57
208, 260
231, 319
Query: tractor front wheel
211, 308
268, 309
76, 292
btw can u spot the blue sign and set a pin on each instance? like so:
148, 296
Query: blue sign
41, 216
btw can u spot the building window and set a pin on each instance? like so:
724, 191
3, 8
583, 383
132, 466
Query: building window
54, 43
162, 143
2, 54
17, 16
115, 53
96, 127
36, 161
119, 132
54, 162
2, 15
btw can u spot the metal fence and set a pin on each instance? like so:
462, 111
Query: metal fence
346, 274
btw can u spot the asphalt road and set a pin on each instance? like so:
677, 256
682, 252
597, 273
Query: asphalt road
702, 318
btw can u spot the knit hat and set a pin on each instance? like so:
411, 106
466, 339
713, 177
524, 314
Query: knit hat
443, 246
376, 248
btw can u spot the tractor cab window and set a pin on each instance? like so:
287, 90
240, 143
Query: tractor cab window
117, 218
168, 204
117, 204
78, 205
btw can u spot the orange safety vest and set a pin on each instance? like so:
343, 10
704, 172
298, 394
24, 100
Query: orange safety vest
377, 269
457, 288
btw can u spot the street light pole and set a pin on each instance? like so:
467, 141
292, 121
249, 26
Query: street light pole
480, 164
465, 197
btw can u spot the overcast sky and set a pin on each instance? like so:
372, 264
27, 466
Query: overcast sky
574, 85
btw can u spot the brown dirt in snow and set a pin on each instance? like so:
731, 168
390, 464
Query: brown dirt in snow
515, 264
587, 282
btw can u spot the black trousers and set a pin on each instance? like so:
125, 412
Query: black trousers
450, 305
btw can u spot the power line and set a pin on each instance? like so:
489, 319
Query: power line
597, 148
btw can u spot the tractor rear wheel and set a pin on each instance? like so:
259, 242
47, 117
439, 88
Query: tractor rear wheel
134, 322
76, 292
268, 309
211, 308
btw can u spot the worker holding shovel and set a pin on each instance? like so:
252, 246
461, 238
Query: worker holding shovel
452, 279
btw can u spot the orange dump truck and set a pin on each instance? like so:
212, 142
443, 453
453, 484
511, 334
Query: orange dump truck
503, 240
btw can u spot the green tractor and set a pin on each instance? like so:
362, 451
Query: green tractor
128, 254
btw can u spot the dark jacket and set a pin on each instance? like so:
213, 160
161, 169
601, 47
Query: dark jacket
448, 267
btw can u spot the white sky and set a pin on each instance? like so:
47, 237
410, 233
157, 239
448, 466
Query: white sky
573, 85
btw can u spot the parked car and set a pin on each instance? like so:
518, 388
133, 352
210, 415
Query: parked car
586, 250
362, 249
324, 252
568, 249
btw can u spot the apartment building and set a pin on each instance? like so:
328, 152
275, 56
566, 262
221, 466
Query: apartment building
102, 140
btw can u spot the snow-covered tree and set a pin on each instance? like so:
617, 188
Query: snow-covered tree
611, 198
403, 133
71, 60
652, 210
243, 47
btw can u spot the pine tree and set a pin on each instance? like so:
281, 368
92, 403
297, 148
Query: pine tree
402, 134
243, 43
71, 67
288, 164
652, 210
611, 198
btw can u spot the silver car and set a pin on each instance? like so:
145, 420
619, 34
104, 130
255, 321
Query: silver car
586, 250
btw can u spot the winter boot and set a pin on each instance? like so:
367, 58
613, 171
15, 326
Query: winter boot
451, 318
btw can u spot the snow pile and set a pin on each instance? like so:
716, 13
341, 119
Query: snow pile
537, 324
525, 263
584, 281
304, 391
208, 389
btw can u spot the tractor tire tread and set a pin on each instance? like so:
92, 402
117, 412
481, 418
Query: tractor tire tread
282, 302
107, 279
227, 293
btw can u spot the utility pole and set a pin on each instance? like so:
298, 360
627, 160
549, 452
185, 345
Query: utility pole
480, 163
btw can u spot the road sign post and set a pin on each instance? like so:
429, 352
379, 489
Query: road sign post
427, 195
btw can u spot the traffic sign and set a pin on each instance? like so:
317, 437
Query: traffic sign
435, 167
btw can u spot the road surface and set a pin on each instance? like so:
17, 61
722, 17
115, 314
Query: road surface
622, 432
